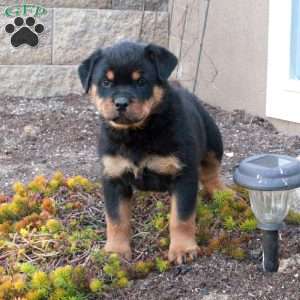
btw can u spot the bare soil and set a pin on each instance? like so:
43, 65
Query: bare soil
39, 136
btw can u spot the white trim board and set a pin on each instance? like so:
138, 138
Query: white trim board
283, 94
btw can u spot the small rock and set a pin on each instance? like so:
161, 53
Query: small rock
204, 291
229, 154
215, 296
30, 132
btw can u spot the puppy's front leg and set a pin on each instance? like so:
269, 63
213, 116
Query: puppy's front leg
183, 245
117, 212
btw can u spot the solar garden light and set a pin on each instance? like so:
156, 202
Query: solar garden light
271, 180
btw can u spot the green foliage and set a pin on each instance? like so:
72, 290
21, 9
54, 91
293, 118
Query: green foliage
293, 218
161, 265
40, 280
159, 221
229, 214
221, 198
27, 268
55, 224
249, 225
98, 256
236, 253
62, 278
82, 239
96, 285
122, 282
143, 267
205, 215
164, 242
229, 223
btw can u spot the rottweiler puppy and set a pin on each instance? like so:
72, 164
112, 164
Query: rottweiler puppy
155, 136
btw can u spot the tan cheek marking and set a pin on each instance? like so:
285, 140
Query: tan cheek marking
136, 75
210, 174
93, 91
158, 93
169, 165
110, 75
105, 107
116, 166
118, 231
155, 100
148, 106
139, 109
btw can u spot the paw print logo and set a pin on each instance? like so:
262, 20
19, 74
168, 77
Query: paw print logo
24, 33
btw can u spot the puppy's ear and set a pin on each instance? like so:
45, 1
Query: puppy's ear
86, 69
164, 61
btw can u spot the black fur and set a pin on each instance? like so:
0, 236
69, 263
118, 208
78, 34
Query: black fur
180, 126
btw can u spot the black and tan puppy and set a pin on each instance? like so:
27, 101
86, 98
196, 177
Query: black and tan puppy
155, 135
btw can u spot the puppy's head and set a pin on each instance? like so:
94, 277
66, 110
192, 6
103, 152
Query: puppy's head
126, 81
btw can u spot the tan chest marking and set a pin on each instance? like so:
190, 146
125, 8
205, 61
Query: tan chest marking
164, 165
116, 166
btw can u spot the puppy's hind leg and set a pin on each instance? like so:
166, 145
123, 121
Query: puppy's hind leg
210, 174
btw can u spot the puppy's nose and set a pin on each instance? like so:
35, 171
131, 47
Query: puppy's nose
121, 103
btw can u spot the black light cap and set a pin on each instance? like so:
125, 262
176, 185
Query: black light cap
268, 172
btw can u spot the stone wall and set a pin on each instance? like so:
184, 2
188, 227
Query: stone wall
73, 29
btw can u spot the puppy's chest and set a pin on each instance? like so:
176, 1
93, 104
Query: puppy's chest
115, 166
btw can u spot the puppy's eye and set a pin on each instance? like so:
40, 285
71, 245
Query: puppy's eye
141, 82
106, 83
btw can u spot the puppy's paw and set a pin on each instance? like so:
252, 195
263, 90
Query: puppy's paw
183, 252
123, 249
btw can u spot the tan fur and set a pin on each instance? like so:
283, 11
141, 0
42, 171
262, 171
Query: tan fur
118, 232
158, 94
169, 165
105, 107
115, 166
210, 174
182, 234
127, 126
93, 91
136, 75
110, 75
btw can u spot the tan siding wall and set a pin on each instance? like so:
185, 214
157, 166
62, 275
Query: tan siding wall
233, 65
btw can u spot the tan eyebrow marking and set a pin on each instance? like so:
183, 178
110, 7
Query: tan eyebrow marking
110, 75
136, 75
